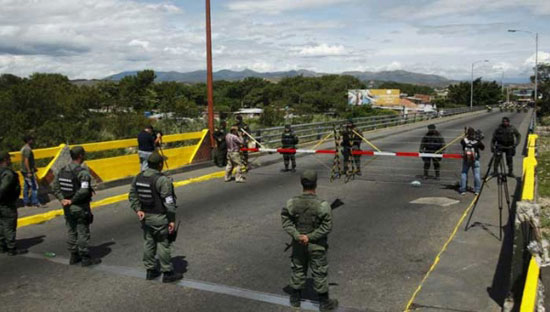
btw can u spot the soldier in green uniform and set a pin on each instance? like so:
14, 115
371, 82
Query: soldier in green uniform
308, 220
152, 198
10, 189
289, 140
221, 147
505, 140
351, 142
72, 188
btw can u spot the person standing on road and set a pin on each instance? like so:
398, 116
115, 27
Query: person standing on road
289, 140
471, 145
72, 188
432, 142
221, 147
234, 160
308, 220
505, 140
147, 142
152, 198
242, 126
10, 189
28, 170
351, 142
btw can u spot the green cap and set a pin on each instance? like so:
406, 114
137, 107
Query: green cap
4, 155
431, 127
309, 175
77, 150
156, 158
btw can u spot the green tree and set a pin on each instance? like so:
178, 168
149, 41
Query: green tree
543, 103
485, 93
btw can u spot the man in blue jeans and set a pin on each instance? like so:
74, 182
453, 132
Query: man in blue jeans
28, 170
471, 145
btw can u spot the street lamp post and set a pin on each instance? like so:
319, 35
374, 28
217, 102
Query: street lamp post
472, 83
536, 61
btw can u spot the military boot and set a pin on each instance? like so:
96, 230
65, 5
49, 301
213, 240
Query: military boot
295, 297
88, 261
293, 169
437, 174
15, 252
170, 277
285, 169
326, 304
511, 173
3, 249
425, 174
152, 274
75, 258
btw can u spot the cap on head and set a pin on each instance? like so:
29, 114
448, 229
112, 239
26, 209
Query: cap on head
287, 127
156, 158
77, 151
431, 127
505, 119
4, 156
309, 177
149, 127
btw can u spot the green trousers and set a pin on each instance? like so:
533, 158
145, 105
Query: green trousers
8, 226
155, 236
313, 257
78, 230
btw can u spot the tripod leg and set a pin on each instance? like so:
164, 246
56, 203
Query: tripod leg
480, 191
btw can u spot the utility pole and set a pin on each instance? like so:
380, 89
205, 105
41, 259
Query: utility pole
209, 75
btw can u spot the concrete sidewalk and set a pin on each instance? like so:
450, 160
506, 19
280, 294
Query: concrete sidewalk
472, 271
256, 160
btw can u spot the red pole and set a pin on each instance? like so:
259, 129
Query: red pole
209, 78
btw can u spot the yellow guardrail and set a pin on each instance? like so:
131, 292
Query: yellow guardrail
529, 298
114, 168
529, 166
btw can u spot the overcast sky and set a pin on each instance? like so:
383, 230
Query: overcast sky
97, 38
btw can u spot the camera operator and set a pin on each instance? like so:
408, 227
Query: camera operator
148, 139
505, 140
471, 145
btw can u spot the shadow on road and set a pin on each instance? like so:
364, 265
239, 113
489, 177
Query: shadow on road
27, 243
102, 250
500, 288
180, 264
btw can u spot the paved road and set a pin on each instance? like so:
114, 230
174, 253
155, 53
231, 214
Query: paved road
231, 240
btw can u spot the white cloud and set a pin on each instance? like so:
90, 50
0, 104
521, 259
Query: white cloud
322, 50
544, 57
452, 7
278, 6
139, 43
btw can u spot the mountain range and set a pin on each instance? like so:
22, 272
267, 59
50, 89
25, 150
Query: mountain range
400, 76
230, 75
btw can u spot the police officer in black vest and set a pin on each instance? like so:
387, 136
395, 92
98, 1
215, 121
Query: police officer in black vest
289, 140
505, 140
10, 189
72, 187
153, 200
431, 142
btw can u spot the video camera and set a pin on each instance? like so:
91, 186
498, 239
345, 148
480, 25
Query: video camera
479, 135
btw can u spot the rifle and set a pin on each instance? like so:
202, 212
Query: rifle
174, 235
335, 204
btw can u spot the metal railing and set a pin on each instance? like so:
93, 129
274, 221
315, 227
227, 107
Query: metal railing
315, 131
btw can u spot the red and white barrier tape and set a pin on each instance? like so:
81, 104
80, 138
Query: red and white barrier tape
354, 152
